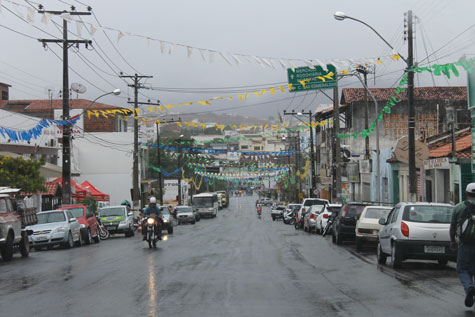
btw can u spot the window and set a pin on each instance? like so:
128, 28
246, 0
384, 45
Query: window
428, 214
394, 215
244, 147
257, 148
377, 213
3, 206
4, 95
89, 213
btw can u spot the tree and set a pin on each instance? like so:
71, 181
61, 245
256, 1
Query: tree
18, 172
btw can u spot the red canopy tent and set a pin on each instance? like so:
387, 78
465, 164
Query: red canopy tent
96, 193
78, 192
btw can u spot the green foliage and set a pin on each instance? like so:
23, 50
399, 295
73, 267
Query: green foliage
91, 202
18, 172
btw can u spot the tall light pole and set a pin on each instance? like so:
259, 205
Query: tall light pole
340, 16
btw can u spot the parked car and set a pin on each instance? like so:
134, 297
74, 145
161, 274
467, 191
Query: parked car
306, 203
55, 227
117, 219
87, 220
278, 212
310, 218
168, 220
185, 214
345, 223
416, 231
367, 226
323, 217
266, 201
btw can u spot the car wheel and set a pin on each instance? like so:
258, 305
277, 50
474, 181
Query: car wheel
333, 237
80, 242
359, 244
24, 245
273, 218
292, 221
88, 239
396, 258
97, 238
70, 243
170, 230
193, 222
381, 255
7, 249
442, 263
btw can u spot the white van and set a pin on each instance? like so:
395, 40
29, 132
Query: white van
205, 204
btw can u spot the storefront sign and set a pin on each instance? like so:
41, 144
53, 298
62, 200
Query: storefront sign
440, 163
401, 152
353, 172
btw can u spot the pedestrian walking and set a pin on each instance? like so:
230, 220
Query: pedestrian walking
462, 235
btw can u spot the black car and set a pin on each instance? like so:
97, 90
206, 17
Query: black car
345, 222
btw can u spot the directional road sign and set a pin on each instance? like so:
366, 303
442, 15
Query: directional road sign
305, 78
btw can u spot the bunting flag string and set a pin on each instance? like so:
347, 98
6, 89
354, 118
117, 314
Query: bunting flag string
207, 55
36, 131
248, 169
160, 169
191, 180
436, 69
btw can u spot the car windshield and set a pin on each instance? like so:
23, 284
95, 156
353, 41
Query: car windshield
355, 210
77, 212
377, 213
181, 210
280, 208
164, 211
294, 207
317, 208
113, 211
203, 202
51, 217
428, 214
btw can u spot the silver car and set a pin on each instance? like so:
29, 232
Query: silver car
416, 231
55, 227
185, 214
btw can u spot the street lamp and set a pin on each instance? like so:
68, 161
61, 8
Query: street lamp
66, 168
340, 16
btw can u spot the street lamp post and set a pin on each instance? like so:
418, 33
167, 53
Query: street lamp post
66, 168
340, 16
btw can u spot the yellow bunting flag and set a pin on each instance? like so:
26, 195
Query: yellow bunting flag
247, 95
179, 124
230, 97
263, 91
158, 122
302, 82
256, 93
169, 106
241, 97
272, 91
149, 109
188, 103
290, 87
321, 78
202, 102
379, 61
137, 110
396, 57
282, 89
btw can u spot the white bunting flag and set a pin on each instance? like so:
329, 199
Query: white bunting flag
92, 30
46, 18
202, 53
79, 27
211, 56
171, 47
282, 63
162, 47
267, 62
189, 51
30, 15
309, 63
119, 36
236, 59
225, 58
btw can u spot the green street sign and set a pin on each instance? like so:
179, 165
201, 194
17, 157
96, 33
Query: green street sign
305, 78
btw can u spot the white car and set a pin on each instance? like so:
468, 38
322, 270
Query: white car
367, 226
278, 212
310, 218
322, 218
416, 231
306, 203
55, 227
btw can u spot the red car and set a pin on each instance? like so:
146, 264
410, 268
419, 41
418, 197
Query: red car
87, 220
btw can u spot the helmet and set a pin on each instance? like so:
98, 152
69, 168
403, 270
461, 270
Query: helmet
153, 200
125, 203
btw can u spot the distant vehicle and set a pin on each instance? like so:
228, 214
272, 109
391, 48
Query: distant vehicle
13, 220
266, 201
289, 213
55, 227
206, 204
278, 212
345, 223
322, 218
185, 214
226, 196
87, 220
310, 218
167, 220
367, 226
306, 203
117, 219
416, 231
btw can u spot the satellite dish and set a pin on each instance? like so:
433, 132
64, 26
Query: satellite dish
78, 88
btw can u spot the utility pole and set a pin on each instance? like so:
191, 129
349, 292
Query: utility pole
364, 70
411, 111
336, 180
135, 169
312, 150
66, 44
160, 181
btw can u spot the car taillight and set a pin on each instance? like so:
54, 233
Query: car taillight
325, 216
404, 229
312, 216
343, 212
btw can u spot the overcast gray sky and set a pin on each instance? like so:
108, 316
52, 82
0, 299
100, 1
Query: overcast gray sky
302, 29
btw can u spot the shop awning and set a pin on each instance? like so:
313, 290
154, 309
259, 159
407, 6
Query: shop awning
95, 193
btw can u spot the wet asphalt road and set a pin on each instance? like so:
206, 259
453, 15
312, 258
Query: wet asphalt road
233, 265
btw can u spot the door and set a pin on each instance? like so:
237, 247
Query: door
91, 221
387, 230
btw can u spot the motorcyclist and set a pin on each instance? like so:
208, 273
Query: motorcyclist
259, 208
153, 209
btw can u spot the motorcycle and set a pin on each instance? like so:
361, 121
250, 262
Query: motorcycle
153, 231
103, 232
329, 225
136, 224
289, 218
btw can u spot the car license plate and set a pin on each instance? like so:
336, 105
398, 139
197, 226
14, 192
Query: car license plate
110, 227
41, 239
434, 249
